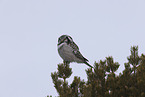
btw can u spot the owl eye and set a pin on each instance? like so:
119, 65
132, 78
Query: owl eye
69, 38
59, 39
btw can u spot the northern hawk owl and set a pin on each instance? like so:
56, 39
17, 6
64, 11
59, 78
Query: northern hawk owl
69, 51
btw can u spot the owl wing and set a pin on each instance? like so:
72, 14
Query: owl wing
77, 52
74, 46
80, 56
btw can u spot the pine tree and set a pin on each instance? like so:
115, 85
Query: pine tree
128, 80
141, 77
59, 80
133, 60
96, 80
102, 80
75, 89
111, 78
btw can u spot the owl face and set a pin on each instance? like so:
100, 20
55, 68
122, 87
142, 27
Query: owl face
64, 39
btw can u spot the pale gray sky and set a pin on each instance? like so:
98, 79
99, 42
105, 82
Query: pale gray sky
29, 30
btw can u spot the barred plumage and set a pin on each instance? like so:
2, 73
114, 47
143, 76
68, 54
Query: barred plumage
69, 51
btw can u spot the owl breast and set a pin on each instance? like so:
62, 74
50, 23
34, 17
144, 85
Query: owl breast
66, 53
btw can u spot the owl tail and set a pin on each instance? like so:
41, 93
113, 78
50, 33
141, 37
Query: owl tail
88, 64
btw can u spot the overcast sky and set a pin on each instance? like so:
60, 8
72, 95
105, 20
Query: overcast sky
29, 30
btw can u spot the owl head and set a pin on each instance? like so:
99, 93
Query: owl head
64, 39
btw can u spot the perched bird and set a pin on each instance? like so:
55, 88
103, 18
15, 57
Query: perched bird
69, 51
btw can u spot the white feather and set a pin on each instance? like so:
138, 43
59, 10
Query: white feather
66, 53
